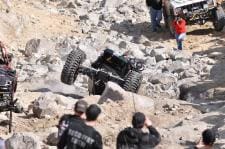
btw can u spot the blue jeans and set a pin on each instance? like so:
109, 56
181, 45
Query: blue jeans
179, 39
156, 17
2, 144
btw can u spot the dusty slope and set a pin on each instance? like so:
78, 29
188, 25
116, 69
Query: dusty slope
38, 21
42, 21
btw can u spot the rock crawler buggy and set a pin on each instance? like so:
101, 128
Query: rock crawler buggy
8, 85
108, 67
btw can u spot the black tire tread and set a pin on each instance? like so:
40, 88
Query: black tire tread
168, 16
132, 81
166, 13
71, 66
219, 19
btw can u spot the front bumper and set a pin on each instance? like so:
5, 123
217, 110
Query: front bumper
196, 14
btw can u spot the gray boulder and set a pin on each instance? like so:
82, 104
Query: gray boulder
23, 141
215, 55
93, 18
71, 5
150, 61
85, 29
207, 60
66, 4
147, 51
91, 52
45, 106
35, 48
162, 84
80, 11
116, 93
188, 73
193, 91
160, 54
135, 50
32, 71
162, 78
39, 70
52, 139
111, 5
12, 24
123, 45
31, 47
183, 132
180, 55
113, 46
22, 76
177, 66
65, 46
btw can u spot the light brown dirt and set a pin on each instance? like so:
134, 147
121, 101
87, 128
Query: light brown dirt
44, 24
39, 22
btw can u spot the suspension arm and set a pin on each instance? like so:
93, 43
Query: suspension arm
100, 75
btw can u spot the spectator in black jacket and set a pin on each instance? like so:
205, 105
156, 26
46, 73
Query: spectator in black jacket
135, 138
83, 135
155, 8
78, 116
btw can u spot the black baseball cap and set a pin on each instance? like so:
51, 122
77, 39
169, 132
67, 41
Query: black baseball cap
80, 106
138, 120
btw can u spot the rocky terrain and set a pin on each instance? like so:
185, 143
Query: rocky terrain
182, 91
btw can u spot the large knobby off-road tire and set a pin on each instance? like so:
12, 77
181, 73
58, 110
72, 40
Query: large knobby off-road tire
132, 81
168, 17
71, 66
219, 19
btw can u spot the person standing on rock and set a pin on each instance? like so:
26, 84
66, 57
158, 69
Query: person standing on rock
207, 141
83, 136
179, 25
78, 117
135, 138
155, 8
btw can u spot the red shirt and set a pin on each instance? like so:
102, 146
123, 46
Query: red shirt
180, 26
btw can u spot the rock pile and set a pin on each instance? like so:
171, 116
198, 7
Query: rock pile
115, 25
121, 26
166, 71
23, 141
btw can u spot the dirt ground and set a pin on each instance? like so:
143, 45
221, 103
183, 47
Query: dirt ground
47, 24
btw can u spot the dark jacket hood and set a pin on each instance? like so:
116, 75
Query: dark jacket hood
131, 135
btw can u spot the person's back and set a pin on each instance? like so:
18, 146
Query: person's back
135, 138
131, 138
149, 140
95, 136
82, 135
79, 136
67, 119
79, 109
128, 139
